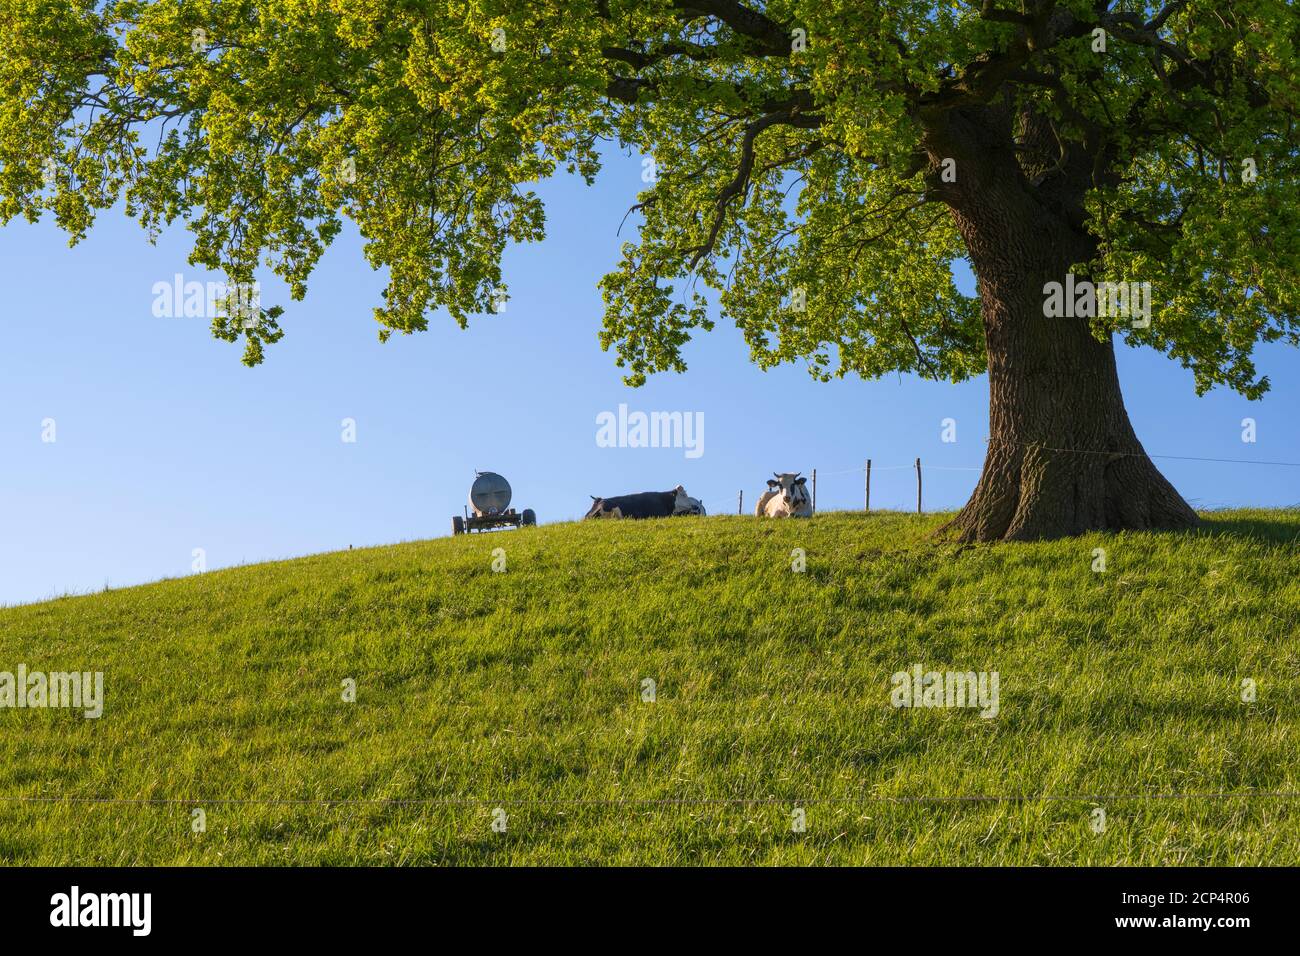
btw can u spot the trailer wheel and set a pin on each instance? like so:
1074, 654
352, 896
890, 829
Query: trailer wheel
530, 517
457, 525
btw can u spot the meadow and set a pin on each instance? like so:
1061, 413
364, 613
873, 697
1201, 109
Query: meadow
1162, 691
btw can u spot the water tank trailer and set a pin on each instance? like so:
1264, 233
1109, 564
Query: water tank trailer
489, 507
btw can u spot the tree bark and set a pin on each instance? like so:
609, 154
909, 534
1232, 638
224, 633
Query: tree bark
1062, 458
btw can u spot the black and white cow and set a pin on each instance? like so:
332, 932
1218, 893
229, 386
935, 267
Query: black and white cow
647, 504
786, 497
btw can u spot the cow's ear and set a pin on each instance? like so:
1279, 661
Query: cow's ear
773, 483
800, 481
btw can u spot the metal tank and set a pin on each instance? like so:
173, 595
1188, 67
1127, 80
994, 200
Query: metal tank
490, 494
489, 507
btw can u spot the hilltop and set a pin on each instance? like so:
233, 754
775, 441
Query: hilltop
524, 690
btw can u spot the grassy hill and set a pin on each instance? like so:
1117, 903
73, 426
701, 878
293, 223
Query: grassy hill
522, 690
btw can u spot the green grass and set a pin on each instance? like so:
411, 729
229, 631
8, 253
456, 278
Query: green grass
523, 690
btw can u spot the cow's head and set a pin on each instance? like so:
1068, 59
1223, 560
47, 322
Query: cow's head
790, 487
599, 509
684, 504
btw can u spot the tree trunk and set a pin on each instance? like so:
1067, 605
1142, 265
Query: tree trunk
1062, 457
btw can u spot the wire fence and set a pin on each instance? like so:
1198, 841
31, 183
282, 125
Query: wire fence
869, 468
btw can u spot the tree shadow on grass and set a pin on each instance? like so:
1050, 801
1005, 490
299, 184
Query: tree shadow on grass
1279, 527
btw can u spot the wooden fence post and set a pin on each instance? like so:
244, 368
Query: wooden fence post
867, 506
814, 508
740, 502
918, 486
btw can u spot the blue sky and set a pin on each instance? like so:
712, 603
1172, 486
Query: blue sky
165, 443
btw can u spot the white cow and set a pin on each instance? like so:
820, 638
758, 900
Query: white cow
786, 497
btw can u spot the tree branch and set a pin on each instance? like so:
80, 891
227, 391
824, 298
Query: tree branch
738, 184
772, 37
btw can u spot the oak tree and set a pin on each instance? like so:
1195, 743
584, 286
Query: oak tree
1112, 171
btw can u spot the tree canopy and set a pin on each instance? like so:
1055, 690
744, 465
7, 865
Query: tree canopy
795, 155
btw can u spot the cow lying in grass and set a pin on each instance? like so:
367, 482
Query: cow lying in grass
786, 497
647, 504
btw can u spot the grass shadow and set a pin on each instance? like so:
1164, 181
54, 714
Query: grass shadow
1281, 526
